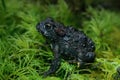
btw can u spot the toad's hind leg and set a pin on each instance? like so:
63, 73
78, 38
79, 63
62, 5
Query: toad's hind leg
85, 60
81, 64
89, 57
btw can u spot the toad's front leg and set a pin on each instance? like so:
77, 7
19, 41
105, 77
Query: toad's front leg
56, 61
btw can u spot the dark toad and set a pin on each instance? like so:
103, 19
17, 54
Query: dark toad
67, 43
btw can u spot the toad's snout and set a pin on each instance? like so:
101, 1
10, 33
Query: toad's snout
38, 26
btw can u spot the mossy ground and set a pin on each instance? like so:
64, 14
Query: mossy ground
24, 56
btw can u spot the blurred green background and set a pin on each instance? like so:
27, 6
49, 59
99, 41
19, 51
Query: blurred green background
24, 55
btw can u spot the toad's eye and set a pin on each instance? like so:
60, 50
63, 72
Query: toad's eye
48, 26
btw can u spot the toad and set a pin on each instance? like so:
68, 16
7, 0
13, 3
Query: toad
66, 43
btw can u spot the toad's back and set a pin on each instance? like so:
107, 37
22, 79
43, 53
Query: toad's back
75, 42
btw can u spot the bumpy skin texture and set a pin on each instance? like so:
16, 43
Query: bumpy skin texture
67, 43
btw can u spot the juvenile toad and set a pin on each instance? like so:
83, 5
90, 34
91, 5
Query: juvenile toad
67, 43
